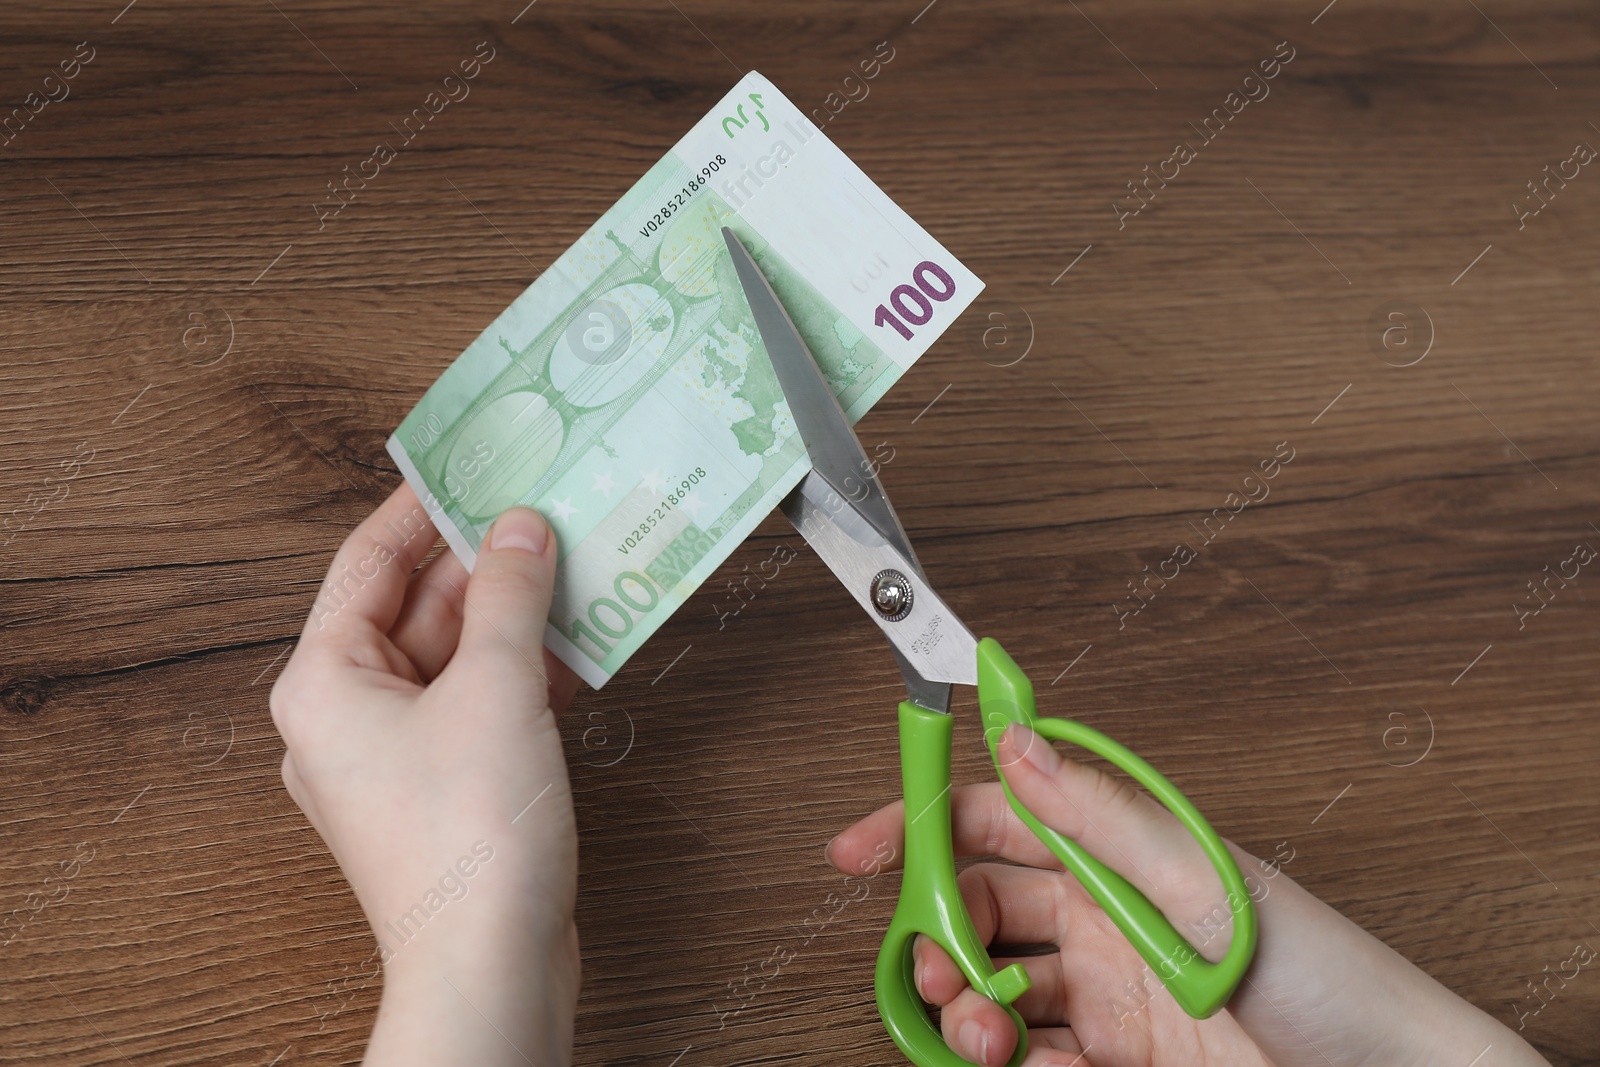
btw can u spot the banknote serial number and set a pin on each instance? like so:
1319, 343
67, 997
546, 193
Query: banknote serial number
677, 200
654, 517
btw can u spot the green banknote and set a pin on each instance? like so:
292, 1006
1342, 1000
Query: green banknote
626, 393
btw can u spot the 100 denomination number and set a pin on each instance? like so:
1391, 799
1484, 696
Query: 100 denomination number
914, 303
428, 430
609, 618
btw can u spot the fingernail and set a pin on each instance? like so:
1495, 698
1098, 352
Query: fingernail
827, 850
975, 1040
1032, 748
521, 528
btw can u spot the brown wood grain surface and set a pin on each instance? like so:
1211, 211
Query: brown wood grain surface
197, 382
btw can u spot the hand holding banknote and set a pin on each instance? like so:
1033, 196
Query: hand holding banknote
420, 723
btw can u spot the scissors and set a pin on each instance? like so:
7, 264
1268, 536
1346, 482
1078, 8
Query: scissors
841, 510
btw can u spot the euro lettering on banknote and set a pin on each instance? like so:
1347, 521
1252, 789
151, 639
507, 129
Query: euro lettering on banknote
626, 393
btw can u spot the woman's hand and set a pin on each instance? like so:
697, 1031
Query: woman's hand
1321, 991
418, 711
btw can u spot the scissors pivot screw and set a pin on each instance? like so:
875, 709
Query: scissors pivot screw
891, 595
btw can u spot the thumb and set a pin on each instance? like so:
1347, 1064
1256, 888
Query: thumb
508, 598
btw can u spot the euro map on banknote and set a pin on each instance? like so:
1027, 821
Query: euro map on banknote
626, 393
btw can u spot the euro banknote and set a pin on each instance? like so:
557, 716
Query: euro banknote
626, 393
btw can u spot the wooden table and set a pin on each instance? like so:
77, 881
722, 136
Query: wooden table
199, 376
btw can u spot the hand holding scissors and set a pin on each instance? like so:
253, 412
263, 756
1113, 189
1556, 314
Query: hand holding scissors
841, 510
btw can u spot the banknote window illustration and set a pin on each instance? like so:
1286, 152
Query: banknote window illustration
599, 334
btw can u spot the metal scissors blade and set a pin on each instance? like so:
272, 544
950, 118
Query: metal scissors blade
843, 513
835, 452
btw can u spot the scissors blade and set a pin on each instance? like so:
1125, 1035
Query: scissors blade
835, 452
844, 515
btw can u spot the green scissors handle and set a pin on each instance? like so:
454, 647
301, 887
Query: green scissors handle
930, 902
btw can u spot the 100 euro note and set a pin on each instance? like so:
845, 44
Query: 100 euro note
626, 393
